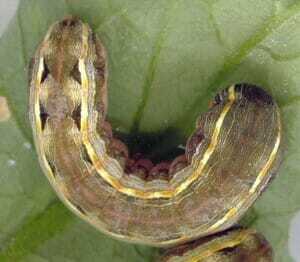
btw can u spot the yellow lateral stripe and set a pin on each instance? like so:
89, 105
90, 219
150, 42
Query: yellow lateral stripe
221, 245
227, 216
258, 180
138, 193
38, 123
99, 166
36, 95
214, 140
271, 159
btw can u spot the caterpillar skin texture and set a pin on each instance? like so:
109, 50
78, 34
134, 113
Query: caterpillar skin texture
234, 245
229, 159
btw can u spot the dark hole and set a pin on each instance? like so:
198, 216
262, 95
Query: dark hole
43, 116
45, 72
76, 74
76, 115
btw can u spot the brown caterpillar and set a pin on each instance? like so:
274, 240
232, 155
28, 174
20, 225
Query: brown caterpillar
229, 159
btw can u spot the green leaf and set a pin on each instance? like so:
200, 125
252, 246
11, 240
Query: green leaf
167, 59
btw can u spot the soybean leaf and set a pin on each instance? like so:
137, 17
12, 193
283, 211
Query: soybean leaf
166, 61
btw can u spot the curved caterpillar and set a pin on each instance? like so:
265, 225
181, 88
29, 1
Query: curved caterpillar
229, 159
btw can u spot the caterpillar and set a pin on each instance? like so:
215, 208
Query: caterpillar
229, 159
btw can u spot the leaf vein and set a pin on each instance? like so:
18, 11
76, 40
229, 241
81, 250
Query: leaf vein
151, 71
235, 59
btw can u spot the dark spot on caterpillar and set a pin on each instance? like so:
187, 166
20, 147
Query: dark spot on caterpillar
254, 94
73, 22
79, 208
76, 115
86, 156
65, 22
45, 72
217, 100
193, 142
76, 74
69, 21
43, 116
52, 167
221, 97
228, 250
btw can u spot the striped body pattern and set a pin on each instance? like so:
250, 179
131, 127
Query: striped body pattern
234, 245
229, 159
